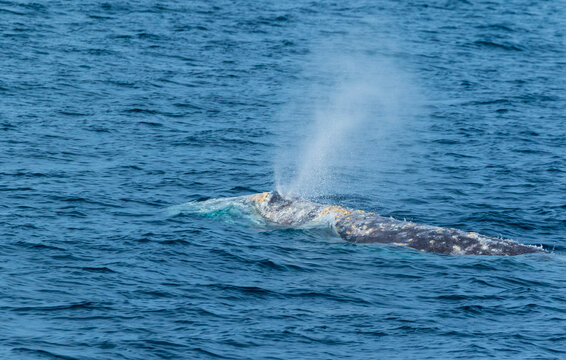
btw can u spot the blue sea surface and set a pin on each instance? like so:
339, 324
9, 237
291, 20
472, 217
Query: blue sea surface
114, 113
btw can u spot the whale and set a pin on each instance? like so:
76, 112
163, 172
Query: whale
359, 226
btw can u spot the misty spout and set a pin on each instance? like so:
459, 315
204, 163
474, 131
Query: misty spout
349, 122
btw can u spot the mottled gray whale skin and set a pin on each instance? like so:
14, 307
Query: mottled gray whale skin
359, 226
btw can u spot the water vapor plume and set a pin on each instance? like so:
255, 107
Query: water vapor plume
345, 126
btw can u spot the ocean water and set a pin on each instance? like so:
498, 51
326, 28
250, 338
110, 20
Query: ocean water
113, 114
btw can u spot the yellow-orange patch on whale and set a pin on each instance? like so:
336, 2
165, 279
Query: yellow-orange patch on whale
337, 209
259, 197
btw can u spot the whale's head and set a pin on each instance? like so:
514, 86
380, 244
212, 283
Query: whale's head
284, 210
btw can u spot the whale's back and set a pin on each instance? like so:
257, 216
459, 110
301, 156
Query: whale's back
359, 226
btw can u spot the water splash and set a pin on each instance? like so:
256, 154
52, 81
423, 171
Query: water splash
355, 113
232, 210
